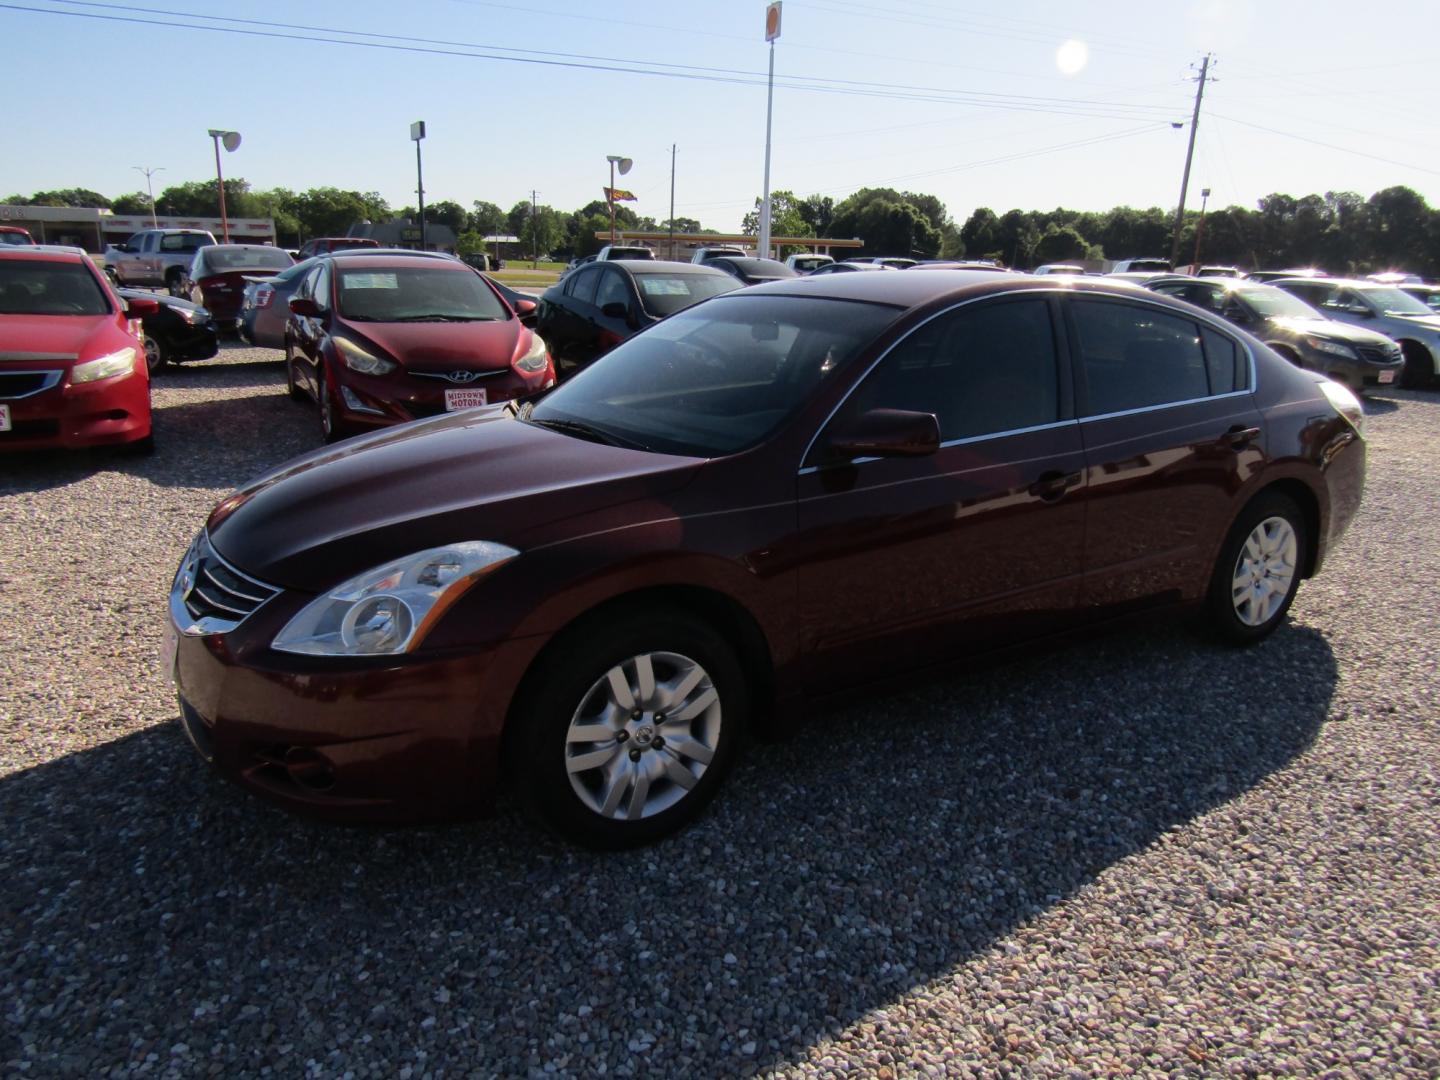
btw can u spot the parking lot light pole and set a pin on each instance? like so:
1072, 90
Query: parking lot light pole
417, 133
150, 190
772, 31
1200, 228
231, 139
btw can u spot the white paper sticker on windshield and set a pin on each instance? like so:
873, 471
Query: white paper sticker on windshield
369, 281
657, 286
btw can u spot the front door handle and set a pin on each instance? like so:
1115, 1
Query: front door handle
1052, 485
1238, 436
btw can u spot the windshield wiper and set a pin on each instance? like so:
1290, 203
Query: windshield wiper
582, 430
437, 317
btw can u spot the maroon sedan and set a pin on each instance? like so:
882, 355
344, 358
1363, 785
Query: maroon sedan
220, 272
380, 340
72, 366
765, 499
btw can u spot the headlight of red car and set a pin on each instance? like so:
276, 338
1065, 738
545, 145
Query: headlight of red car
104, 367
536, 357
358, 359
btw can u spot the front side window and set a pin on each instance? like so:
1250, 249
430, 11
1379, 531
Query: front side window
612, 290
320, 287
583, 287
1136, 357
981, 369
1395, 302
49, 288
715, 378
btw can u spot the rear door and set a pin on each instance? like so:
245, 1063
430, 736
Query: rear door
908, 561
615, 293
1170, 436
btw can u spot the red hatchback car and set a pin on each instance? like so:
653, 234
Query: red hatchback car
765, 499
220, 272
72, 365
384, 339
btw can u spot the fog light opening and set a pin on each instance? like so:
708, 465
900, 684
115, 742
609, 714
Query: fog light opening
309, 768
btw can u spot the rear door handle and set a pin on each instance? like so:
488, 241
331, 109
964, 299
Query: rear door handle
1238, 436
1051, 485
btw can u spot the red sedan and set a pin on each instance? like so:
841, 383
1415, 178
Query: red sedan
382, 340
72, 366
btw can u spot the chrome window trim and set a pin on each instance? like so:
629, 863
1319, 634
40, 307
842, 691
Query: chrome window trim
1165, 405
51, 380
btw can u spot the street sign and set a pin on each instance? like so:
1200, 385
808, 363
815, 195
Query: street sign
772, 21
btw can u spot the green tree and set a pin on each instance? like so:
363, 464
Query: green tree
1060, 243
132, 205
785, 219
70, 197
470, 242
329, 211
486, 218
818, 212
887, 223
448, 213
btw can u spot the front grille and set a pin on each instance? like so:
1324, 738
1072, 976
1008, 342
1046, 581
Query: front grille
214, 590
19, 384
459, 378
1378, 354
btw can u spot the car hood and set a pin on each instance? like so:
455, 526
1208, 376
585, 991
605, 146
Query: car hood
477, 475
443, 346
53, 337
1335, 331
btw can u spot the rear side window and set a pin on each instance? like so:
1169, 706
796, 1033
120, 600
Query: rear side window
1134, 357
612, 290
1224, 363
583, 287
185, 243
980, 369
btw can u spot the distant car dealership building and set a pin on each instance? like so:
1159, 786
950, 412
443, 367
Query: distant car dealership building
92, 227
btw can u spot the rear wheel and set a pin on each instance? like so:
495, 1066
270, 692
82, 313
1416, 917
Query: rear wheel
1259, 569
178, 284
631, 729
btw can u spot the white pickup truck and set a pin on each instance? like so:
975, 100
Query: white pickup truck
156, 257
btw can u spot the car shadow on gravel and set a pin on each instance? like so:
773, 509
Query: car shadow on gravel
147, 905
220, 374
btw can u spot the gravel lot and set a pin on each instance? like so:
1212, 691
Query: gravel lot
1141, 854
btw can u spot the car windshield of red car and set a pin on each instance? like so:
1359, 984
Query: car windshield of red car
418, 294
665, 294
32, 287
715, 378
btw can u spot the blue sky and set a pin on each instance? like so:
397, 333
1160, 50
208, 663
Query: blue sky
962, 99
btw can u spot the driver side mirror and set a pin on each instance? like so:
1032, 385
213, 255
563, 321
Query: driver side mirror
139, 308
616, 310
303, 306
525, 307
887, 433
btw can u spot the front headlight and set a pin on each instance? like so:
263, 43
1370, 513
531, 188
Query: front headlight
357, 359
1334, 348
1345, 403
535, 357
106, 367
193, 316
390, 609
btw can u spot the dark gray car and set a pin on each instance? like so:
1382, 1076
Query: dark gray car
1384, 309
1352, 355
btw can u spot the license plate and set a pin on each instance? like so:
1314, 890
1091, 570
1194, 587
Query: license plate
464, 399
1387, 376
4, 417
169, 648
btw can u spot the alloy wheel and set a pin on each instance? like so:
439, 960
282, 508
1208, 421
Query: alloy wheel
154, 358
643, 736
1264, 571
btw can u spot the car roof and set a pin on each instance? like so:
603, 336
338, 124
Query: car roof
368, 257
45, 253
663, 266
911, 290
1347, 283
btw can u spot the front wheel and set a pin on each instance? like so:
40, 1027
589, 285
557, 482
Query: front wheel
1419, 369
1259, 570
632, 729
291, 386
329, 421
179, 286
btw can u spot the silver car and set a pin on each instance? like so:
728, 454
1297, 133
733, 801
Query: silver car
1383, 308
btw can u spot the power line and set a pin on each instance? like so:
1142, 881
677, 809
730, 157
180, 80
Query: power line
1326, 145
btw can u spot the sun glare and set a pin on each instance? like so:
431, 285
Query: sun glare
1072, 57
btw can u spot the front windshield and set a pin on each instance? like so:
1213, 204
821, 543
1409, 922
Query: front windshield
1275, 303
31, 287
418, 294
1395, 302
665, 294
716, 378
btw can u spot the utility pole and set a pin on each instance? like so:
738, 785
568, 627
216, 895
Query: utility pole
772, 31
1189, 154
672, 200
1200, 228
150, 190
534, 231
417, 133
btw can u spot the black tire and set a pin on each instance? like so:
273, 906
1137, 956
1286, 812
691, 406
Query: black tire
331, 429
1221, 603
178, 284
1419, 370
564, 684
157, 357
291, 388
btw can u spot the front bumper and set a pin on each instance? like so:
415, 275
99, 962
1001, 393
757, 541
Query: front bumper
377, 401
368, 741
104, 413
1358, 373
